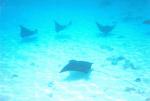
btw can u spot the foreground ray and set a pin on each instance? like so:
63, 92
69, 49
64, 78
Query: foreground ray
80, 66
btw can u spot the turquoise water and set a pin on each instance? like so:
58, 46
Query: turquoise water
39, 38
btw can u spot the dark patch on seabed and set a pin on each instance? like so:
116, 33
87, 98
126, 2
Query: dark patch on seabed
4, 98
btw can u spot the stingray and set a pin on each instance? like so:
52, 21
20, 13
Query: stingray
59, 27
104, 3
25, 32
147, 22
105, 29
80, 66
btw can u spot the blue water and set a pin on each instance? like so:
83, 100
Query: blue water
39, 38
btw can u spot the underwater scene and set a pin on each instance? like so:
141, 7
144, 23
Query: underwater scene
74, 50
